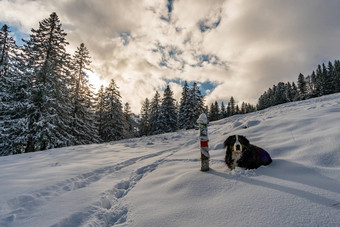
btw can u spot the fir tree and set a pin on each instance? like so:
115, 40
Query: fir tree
280, 95
144, 126
83, 122
47, 61
7, 50
113, 115
295, 92
232, 106
237, 109
337, 76
270, 97
228, 110
214, 113
168, 113
100, 112
223, 111
14, 96
261, 102
196, 105
184, 108
128, 121
243, 108
289, 92
318, 81
327, 79
302, 85
155, 115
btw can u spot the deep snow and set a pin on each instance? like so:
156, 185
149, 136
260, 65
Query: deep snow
155, 181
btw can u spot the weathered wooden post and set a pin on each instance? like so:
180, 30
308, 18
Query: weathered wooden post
202, 121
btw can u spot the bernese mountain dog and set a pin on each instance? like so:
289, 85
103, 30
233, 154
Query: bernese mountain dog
239, 152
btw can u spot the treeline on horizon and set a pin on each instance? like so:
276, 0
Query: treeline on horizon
323, 81
47, 101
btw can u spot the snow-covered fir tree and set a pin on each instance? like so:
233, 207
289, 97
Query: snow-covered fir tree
214, 113
184, 108
302, 85
144, 125
295, 92
228, 110
113, 128
288, 91
155, 115
232, 106
196, 105
280, 95
327, 83
331, 77
14, 96
237, 109
336, 76
128, 122
83, 120
100, 111
168, 112
47, 62
223, 111
318, 81
243, 108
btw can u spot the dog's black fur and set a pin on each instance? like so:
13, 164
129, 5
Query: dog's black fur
251, 157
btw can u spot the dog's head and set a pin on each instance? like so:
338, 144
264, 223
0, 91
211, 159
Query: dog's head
236, 143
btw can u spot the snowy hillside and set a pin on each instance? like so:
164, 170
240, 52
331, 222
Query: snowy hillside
155, 181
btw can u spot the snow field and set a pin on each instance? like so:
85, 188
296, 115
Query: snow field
155, 181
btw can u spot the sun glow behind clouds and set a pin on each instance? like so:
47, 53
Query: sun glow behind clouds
96, 81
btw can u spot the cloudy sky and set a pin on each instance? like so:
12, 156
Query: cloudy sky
234, 48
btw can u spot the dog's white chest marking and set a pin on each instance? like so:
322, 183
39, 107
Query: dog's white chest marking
236, 155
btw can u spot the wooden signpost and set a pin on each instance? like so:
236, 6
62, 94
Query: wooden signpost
202, 121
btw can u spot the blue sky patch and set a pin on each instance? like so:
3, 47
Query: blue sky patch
16, 34
206, 87
170, 5
126, 38
209, 24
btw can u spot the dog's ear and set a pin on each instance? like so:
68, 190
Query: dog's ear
228, 141
244, 140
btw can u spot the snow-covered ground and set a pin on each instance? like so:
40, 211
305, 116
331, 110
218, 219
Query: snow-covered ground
156, 181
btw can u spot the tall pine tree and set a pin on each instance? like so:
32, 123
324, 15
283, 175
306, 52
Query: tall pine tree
214, 113
155, 115
196, 105
232, 106
184, 108
168, 118
223, 111
144, 126
128, 122
100, 112
83, 122
113, 129
337, 76
14, 96
47, 62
